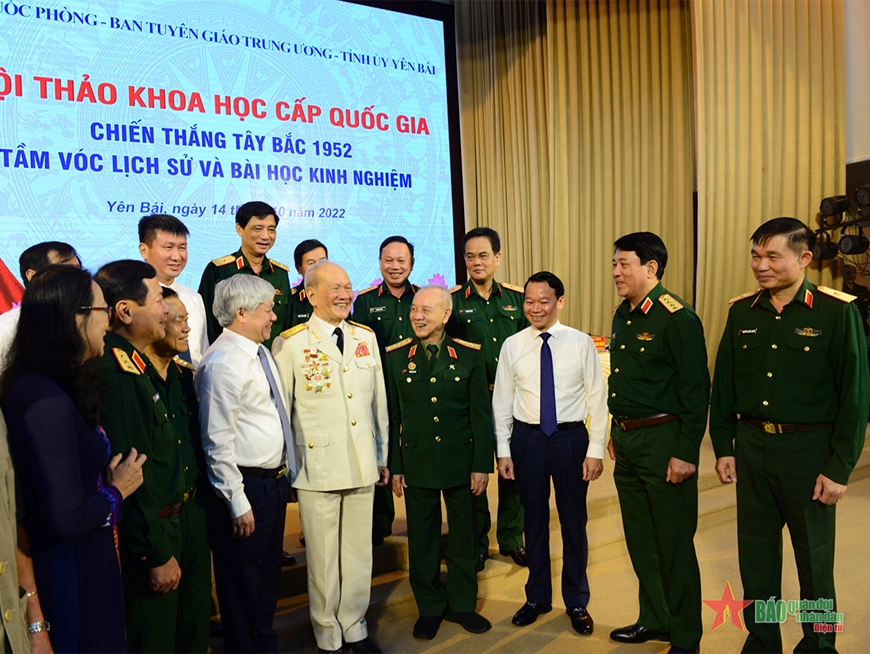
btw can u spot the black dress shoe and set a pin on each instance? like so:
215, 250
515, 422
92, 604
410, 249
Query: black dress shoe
427, 627
481, 562
364, 646
287, 559
471, 622
529, 612
518, 554
581, 620
634, 633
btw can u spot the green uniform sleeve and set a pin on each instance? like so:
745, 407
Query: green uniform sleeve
395, 463
849, 359
686, 345
206, 290
723, 418
126, 419
481, 418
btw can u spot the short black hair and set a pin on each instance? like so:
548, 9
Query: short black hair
255, 209
125, 280
160, 222
304, 248
799, 236
395, 239
647, 246
546, 277
484, 232
168, 291
36, 256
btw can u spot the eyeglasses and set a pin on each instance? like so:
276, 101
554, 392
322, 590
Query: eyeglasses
108, 310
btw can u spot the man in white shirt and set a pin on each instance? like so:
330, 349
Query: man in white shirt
31, 261
245, 436
331, 368
163, 244
548, 382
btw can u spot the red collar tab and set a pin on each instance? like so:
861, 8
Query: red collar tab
138, 361
240, 263
381, 289
451, 352
467, 292
412, 351
808, 298
646, 306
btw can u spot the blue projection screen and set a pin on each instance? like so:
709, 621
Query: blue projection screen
334, 113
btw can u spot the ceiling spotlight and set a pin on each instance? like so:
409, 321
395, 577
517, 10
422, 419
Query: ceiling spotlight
862, 196
824, 249
836, 204
853, 244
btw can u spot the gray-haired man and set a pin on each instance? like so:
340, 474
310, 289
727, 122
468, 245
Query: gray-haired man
245, 432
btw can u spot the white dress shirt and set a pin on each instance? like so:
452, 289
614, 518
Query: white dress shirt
8, 327
240, 425
327, 328
581, 391
197, 340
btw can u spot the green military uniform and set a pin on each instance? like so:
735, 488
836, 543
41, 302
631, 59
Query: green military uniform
658, 364
194, 591
389, 317
803, 373
490, 322
300, 306
135, 414
440, 432
272, 271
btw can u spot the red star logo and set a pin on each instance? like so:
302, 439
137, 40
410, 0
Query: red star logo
728, 606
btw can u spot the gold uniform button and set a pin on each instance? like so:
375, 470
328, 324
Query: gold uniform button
368, 365
379, 318
434, 399
457, 379
621, 347
310, 446
400, 317
616, 370
770, 374
179, 442
490, 320
437, 439
408, 379
8, 615
435, 419
401, 337
807, 348
765, 403
627, 322
494, 339
2, 567
773, 346
744, 346
350, 396
185, 468
353, 423
779, 317
613, 395
496, 359
641, 349
346, 369
432, 380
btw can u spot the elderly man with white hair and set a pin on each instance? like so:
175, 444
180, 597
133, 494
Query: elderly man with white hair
245, 433
331, 370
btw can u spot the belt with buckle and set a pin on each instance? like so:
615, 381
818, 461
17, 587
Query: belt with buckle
170, 510
265, 473
562, 426
630, 424
781, 428
189, 493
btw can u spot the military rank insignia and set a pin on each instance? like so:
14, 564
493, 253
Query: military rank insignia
646, 336
362, 350
646, 306
808, 331
451, 352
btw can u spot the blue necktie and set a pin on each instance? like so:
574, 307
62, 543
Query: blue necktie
282, 412
548, 389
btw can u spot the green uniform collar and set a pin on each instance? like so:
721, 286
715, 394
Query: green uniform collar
646, 305
410, 288
805, 296
242, 262
471, 289
114, 341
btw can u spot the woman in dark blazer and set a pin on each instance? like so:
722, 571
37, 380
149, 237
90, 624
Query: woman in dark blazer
70, 488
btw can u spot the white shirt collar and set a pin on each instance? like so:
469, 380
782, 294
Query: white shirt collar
553, 330
328, 328
244, 343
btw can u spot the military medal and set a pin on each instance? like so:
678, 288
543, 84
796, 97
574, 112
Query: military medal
362, 350
412, 366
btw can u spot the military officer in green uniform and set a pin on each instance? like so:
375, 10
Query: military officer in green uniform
659, 387
790, 397
441, 444
136, 415
386, 309
487, 312
305, 255
174, 381
256, 225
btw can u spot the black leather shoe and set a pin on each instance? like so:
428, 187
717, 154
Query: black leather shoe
427, 627
518, 554
634, 633
364, 646
287, 559
581, 620
529, 612
471, 622
481, 562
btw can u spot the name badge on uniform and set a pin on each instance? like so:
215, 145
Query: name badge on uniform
741, 332
377, 309
462, 312
155, 398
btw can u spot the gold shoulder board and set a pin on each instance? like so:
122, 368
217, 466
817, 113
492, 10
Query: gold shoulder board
222, 261
396, 346
839, 295
471, 346
456, 288
293, 291
182, 363
282, 266
367, 290
670, 303
124, 361
518, 289
356, 324
744, 296
287, 333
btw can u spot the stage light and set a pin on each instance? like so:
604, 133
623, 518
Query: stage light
862, 196
823, 248
834, 205
853, 244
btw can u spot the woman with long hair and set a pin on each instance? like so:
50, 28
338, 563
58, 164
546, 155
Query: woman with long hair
71, 489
